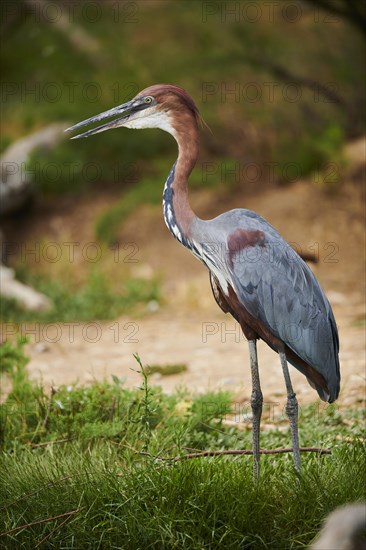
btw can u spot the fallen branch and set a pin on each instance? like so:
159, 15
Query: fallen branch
57, 528
27, 297
28, 495
247, 452
201, 454
112, 409
49, 407
41, 521
52, 442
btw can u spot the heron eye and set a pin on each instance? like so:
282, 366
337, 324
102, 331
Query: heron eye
148, 99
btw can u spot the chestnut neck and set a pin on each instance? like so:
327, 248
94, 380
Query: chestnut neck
177, 211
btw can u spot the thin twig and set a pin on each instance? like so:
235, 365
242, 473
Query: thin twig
45, 443
238, 452
49, 407
232, 452
247, 452
40, 521
27, 495
53, 531
112, 409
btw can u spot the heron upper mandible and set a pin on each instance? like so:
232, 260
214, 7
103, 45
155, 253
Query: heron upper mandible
255, 274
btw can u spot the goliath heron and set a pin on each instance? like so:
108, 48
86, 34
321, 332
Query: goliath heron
255, 275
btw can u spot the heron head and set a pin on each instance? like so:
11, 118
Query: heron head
159, 106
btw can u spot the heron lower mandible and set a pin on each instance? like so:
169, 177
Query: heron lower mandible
255, 274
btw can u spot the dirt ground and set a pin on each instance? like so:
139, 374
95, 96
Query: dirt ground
189, 328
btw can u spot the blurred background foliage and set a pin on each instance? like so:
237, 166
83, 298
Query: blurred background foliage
297, 85
278, 83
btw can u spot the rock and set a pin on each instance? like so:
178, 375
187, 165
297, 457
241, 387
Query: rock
16, 181
41, 347
25, 295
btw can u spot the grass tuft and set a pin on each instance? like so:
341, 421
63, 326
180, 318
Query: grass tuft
80, 467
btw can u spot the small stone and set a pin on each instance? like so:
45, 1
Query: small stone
153, 306
41, 347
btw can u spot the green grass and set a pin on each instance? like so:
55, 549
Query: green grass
148, 190
96, 299
193, 504
79, 451
166, 370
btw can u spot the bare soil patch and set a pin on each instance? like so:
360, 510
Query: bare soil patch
189, 328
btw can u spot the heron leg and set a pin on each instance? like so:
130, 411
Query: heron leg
292, 410
256, 404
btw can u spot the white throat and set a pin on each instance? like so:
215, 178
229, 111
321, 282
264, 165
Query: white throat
155, 119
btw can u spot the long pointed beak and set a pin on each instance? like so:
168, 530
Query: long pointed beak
124, 110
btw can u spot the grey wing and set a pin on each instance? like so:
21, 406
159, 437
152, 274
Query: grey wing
277, 287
